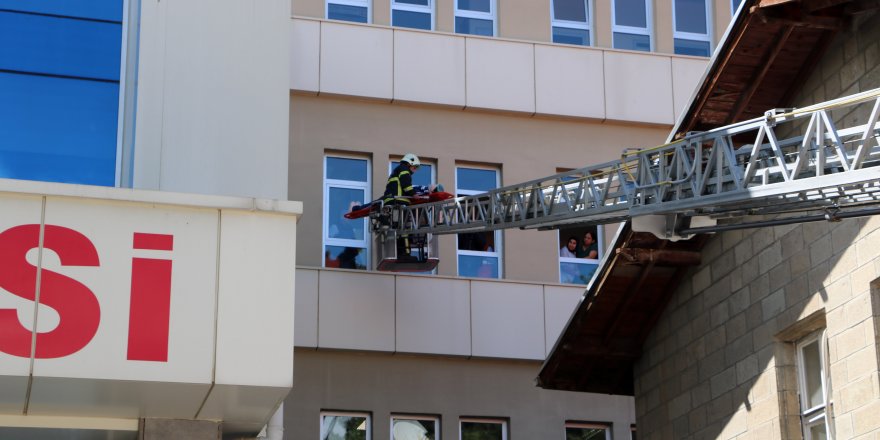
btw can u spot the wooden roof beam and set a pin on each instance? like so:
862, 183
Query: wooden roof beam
756, 80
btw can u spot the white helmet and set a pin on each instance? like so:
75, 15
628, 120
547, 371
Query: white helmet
411, 159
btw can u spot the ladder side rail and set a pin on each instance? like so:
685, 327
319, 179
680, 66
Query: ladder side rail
861, 150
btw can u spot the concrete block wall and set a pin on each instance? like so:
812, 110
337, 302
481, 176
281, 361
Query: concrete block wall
720, 362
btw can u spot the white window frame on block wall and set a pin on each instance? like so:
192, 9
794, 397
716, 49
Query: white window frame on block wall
417, 418
497, 249
648, 30
429, 8
503, 423
585, 25
368, 4
492, 16
598, 426
692, 36
368, 421
329, 183
813, 415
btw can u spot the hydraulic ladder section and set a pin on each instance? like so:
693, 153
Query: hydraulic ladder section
790, 161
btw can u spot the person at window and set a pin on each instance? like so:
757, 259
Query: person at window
570, 248
347, 259
589, 248
398, 191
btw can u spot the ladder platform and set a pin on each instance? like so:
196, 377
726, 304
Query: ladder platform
392, 265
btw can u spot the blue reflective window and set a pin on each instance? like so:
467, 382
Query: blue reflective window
110, 10
474, 5
691, 47
409, 19
413, 2
59, 46
632, 41
340, 203
422, 176
477, 266
576, 273
734, 5
564, 35
474, 179
356, 14
474, 26
571, 10
345, 257
631, 13
690, 16
342, 168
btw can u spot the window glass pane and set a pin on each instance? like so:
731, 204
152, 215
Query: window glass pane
409, 19
98, 9
413, 2
474, 5
632, 42
572, 10
58, 129
630, 13
357, 14
422, 176
479, 267
584, 433
474, 26
344, 428
345, 257
813, 374
691, 47
60, 46
576, 272
817, 432
412, 429
477, 241
481, 431
342, 168
690, 16
340, 203
734, 5
563, 35
473, 179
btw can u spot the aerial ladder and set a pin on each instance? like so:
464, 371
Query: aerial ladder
820, 162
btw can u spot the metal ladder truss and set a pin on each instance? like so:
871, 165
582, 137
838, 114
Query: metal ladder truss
824, 156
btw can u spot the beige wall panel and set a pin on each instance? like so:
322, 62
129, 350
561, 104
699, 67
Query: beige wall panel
356, 60
433, 316
524, 19
306, 308
686, 75
663, 26
637, 87
308, 8
356, 311
507, 320
429, 68
559, 303
305, 52
381, 12
500, 75
569, 81
723, 15
444, 15
602, 22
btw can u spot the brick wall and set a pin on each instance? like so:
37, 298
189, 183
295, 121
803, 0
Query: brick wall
720, 362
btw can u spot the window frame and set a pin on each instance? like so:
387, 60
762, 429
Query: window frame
435, 419
358, 3
691, 36
569, 24
492, 15
498, 252
599, 245
366, 415
808, 416
647, 31
590, 425
504, 429
431, 9
326, 240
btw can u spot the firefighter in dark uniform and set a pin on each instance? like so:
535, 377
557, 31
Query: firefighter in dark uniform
397, 192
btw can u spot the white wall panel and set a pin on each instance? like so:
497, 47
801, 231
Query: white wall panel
305, 53
433, 316
242, 408
507, 320
686, 75
429, 68
569, 81
356, 311
356, 60
500, 75
559, 304
306, 309
638, 87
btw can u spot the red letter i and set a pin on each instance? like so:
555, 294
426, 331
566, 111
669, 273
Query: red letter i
150, 300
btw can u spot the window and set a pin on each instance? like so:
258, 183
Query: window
631, 27
482, 429
416, 14
60, 80
415, 427
349, 10
345, 426
813, 387
479, 253
346, 183
691, 23
587, 431
734, 6
570, 21
475, 17
579, 253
